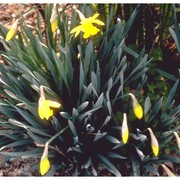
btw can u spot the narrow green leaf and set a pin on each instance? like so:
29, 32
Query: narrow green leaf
31, 153
112, 139
109, 108
27, 117
130, 51
166, 75
88, 57
94, 81
175, 38
99, 101
87, 92
73, 129
169, 158
110, 84
29, 128
108, 118
99, 135
83, 106
115, 156
147, 105
151, 169
21, 142
65, 115
107, 164
82, 116
171, 94
81, 78
10, 135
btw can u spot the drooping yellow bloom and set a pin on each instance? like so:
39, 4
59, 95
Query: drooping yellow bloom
87, 26
11, 33
45, 106
137, 108
177, 139
125, 130
154, 142
168, 171
44, 163
53, 19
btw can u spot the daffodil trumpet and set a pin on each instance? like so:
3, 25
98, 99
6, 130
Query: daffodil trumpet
137, 108
45, 106
154, 142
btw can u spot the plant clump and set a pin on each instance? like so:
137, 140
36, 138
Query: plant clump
80, 85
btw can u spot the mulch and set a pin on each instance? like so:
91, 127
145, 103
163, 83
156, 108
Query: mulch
19, 167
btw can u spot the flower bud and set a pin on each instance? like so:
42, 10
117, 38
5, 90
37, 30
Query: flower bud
53, 19
177, 139
137, 108
44, 163
125, 130
154, 143
11, 33
168, 171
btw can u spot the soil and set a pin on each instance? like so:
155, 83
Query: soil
18, 167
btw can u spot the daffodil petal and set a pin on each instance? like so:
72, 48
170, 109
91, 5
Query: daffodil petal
95, 16
53, 104
78, 28
96, 21
44, 166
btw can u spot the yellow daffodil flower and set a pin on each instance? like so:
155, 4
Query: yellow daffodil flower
154, 142
45, 106
44, 163
11, 33
125, 130
168, 171
137, 108
53, 19
87, 26
177, 139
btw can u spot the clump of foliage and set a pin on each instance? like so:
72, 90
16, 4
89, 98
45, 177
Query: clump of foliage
67, 99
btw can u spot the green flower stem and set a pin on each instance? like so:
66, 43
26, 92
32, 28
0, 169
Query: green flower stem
113, 101
55, 136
